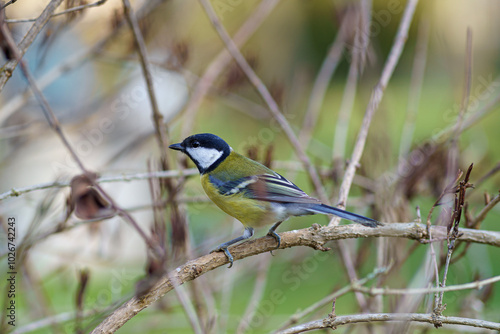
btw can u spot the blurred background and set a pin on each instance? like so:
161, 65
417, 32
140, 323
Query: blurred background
320, 60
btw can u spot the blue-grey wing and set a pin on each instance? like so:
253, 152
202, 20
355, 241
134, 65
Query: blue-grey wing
265, 187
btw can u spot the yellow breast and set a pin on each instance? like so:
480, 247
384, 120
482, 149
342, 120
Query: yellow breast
251, 213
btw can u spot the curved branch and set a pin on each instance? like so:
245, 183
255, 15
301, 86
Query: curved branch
416, 317
315, 237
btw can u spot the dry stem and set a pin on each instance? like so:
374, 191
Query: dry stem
266, 96
374, 102
385, 317
313, 237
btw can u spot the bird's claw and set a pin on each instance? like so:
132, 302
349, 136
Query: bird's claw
276, 237
228, 254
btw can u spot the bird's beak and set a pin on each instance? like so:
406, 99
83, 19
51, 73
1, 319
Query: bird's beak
177, 147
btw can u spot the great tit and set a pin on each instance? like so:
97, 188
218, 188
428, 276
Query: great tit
249, 191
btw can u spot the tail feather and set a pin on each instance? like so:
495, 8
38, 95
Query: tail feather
329, 210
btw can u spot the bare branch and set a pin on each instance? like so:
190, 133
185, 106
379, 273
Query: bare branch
10, 2
35, 29
385, 317
53, 122
67, 11
374, 102
328, 299
160, 128
314, 237
15, 192
458, 287
266, 96
221, 61
482, 215
321, 83
257, 293
358, 55
417, 79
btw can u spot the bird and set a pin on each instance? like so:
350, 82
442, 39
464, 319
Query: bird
251, 192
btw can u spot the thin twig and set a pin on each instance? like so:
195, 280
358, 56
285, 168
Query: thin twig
55, 125
453, 150
345, 249
221, 61
415, 291
482, 215
56, 319
416, 83
15, 102
374, 102
16, 192
321, 83
328, 299
358, 54
452, 236
187, 305
30, 36
67, 11
451, 188
487, 175
266, 96
385, 317
10, 2
452, 162
160, 127
311, 237
257, 293
444, 135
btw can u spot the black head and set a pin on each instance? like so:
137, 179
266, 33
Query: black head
205, 149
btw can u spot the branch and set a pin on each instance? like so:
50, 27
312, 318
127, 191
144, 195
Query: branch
374, 102
160, 128
482, 215
266, 96
15, 192
220, 63
416, 291
358, 55
416, 83
55, 125
416, 317
35, 29
67, 11
314, 237
328, 299
323, 78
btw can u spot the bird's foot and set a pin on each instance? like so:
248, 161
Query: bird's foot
228, 254
276, 237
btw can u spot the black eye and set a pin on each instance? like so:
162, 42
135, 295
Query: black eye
195, 144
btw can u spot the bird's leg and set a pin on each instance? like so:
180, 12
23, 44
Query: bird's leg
275, 235
223, 247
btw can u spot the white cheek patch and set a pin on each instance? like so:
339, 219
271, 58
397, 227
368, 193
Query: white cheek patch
204, 157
